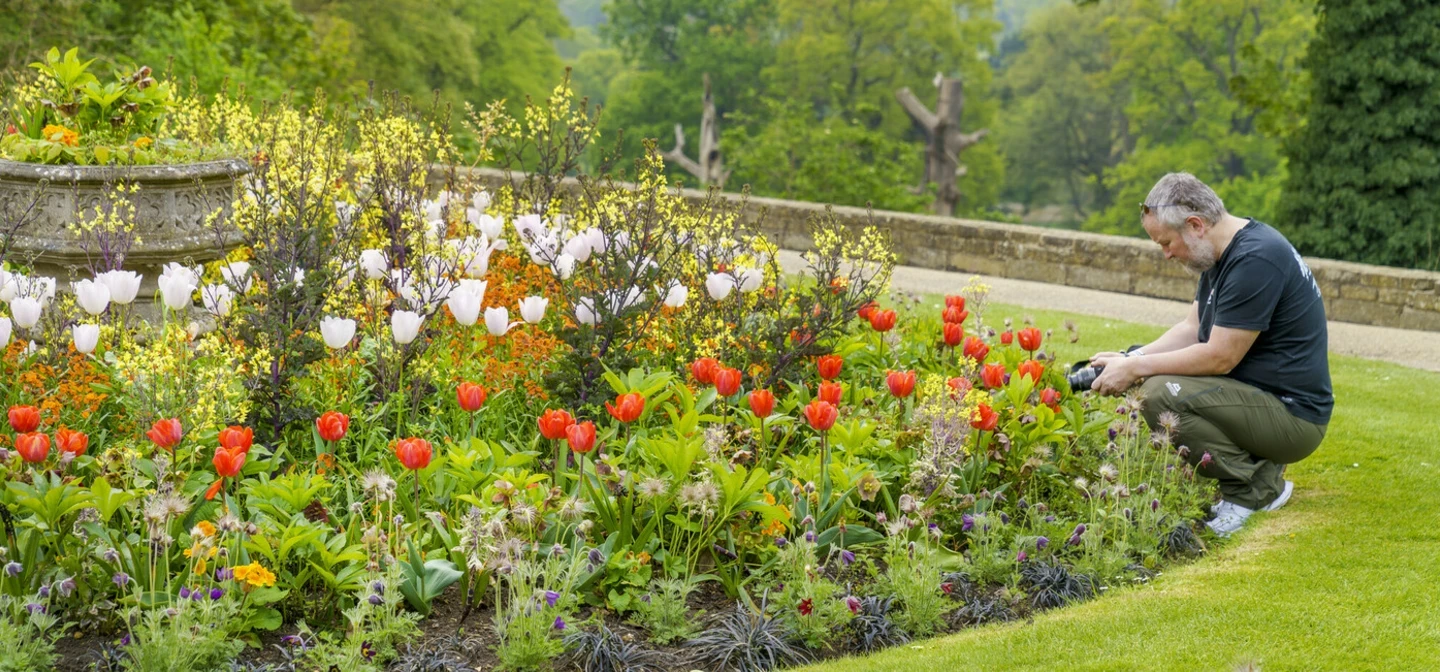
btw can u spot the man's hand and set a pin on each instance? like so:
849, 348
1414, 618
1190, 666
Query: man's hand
1103, 355
1118, 376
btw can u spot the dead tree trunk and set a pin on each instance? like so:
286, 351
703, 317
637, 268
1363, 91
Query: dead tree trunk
942, 152
710, 169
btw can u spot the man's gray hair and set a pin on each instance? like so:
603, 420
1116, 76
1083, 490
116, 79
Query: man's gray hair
1179, 196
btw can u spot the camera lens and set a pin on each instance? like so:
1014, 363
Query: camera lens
1081, 377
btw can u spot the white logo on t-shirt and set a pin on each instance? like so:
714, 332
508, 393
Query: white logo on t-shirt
1305, 271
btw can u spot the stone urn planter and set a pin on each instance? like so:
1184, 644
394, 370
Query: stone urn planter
171, 208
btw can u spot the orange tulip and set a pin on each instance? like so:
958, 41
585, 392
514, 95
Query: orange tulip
954, 315
882, 320
762, 403
821, 415
553, 423
993, 375
237, 438
1007, 337
333, 425
829, 366
228, 461
984, 418
470, 396
627, 407
1029, 338
24, 419
901, 383
70, 441
414, 453
166, 433
976, 349
1050, 397
867, 310
581, 436
34, 447
953, 333
830, 393
1031, 369
727, 381
959, 386
704, 370
953, 301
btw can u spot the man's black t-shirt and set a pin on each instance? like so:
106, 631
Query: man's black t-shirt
1260, 283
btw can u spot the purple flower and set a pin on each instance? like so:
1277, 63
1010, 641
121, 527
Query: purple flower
1129, 514
121, 579
1049, 519
1154, 505
559, 623
376, 600
853, 603
596, 557
67, 587
967, 523
1021, 557
1113, 433
847, 556
1074, 540
224, 574
810, 536
1004, 518
35, 607
14, 568
1206, 460
292, 640
184, 592
198, 595
1041, 543
125, 641
368, 650
780, 542
44, 591
110, 555
216, 594
551, 597
1079, 529
378, 587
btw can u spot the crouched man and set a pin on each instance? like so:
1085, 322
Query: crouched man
1246, 375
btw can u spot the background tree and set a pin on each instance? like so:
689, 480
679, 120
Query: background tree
1365, 177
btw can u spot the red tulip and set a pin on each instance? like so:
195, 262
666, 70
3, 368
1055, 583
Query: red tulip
830, 392
821, 415
24, 419
627, 408
237, 438
1007, 337
1050, 397
1031, 369
1029, 338
470, 396
867, 310
762, 403
954, 315
953, 301
727, 381
70, 441
34, 447
413, 453
901, 383
166, 433
976, 349
581, 436
333, 425
704, 370
882, 320
960, 386
954, 334
553, 424
993, 375
829, 366
984, 418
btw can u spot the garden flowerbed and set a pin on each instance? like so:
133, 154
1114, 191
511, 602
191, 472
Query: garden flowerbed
597, 427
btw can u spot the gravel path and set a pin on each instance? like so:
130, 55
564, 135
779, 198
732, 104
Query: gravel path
1420, 349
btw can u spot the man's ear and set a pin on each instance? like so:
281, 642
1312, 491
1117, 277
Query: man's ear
1196, 225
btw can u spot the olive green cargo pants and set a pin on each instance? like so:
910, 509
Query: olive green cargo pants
1247, 432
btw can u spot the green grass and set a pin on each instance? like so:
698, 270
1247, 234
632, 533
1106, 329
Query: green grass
1345, 577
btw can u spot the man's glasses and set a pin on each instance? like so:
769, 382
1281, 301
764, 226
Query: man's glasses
1146, 208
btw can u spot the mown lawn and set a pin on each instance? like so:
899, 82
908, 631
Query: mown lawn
1345, 577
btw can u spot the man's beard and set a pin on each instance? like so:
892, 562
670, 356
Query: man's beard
1202, 254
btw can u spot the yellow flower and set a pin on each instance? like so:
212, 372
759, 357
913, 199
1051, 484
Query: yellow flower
204, 528
254, 575
143, 142
60, 134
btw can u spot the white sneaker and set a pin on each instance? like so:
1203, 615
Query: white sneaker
1229, 517
1284, 497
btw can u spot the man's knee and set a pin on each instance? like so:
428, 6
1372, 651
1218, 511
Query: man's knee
1159, 394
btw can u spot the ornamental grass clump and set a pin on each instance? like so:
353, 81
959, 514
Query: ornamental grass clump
747, 640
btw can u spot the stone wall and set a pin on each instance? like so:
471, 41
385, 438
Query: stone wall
1358, 293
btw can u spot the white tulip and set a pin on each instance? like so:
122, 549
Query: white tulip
237, 274
532, 308
480, 201
676, 295
491, 226
619, 303
9, 285
191, 275
719, 285
579, 246
337, 331
373, 263
585, 311
26, 311
405, 326
124, 285
435, 210
529, 227
218, 299
92, 295
298, 277
345, 212
465, 306
751, 279
542, 250
175, 290
476, 287
564, 266
497, 320
5, 329
474, 255
86, 337
597, 239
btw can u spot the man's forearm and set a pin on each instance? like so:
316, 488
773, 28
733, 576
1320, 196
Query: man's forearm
1178, 337
1199, 359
